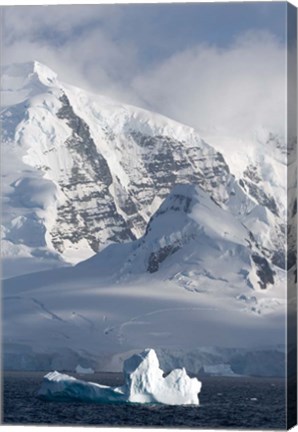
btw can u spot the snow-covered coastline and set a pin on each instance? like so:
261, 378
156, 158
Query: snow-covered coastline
162, 227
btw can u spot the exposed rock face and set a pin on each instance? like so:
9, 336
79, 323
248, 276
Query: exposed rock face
112, 166
192, 238
89, 211
264, 271
156, 258
253, 183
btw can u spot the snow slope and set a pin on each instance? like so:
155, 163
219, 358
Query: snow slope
83, 171
184, 270
264, 164
194, 241
180, 238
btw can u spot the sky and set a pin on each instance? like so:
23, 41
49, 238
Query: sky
213, 66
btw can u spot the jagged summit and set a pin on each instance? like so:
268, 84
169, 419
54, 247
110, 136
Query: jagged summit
27, 70
161, 230
22, 81
106, 167
46, 75
24, 78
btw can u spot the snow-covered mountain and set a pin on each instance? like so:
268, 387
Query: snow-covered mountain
192, 304
82, 171
194, 241
162, 228
264, 163
95, 315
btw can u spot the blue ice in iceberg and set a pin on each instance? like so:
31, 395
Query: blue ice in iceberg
144, 383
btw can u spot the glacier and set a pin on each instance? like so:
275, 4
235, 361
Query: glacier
118, 222
144, 383
192, 266
184, 269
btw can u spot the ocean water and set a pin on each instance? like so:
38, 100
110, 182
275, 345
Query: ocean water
253, 403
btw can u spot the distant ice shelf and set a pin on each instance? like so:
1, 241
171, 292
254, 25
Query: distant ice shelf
144, 383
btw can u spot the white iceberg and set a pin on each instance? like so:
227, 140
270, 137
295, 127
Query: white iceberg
218, 370
81, 370
144, 383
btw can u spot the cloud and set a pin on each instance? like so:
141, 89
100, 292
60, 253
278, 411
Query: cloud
60, 22
74, 41
235, 89
231, 89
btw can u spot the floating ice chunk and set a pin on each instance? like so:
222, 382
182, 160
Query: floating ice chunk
218, 370
144, 383
57, 386
81, 370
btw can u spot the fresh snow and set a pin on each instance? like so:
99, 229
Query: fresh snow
182, 234
144, 383
37, 148
261, 163
88, 315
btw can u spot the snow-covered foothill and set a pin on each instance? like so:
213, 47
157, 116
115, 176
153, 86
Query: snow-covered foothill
192, 240
144, 383
186, 269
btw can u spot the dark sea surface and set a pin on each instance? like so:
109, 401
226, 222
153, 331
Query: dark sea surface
249, 403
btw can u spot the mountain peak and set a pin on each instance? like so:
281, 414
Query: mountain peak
181, 199
22, 80
19, 75
114, 165
45, 74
